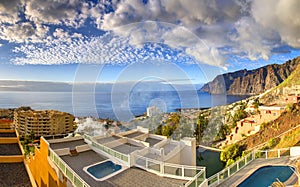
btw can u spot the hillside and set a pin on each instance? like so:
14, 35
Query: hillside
287, 120
278, 94
250, 82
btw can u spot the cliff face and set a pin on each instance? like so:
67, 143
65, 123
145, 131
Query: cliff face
251, 82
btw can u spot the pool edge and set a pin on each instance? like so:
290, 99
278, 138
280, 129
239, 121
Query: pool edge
107, 176
238, 182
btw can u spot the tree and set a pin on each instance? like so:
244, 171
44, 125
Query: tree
201, 125
231, 152
223, 132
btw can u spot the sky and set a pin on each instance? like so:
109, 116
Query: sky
180, 41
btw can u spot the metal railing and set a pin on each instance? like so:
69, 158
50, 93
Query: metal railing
76, 180
120, 156
195, 174
218, 178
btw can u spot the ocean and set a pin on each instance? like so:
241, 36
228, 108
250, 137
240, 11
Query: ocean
118, 105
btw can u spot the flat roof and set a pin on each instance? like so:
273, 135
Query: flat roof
14, 174
8, 134
138, 177
10, 149
68, 144
107, 139
127, 148
83, 159
130, 177
152, 141
134, 134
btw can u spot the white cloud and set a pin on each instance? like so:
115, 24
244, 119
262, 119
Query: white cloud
9, 11
206, 31
53, 12
23, 32
282, 16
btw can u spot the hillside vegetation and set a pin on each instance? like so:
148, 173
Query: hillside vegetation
269, 131
276, 94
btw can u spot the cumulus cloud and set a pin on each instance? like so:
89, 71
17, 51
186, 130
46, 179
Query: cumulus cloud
282, 16
206, 31
54, 12
23, 32
9, 11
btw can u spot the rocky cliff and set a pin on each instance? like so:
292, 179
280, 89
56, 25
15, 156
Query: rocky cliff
248, 82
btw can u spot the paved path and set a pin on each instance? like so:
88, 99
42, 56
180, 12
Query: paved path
241, 175
209, 148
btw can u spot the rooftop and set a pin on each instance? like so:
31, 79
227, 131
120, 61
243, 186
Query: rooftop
14, 174
128, 178
134, 134
127, 148
124, 152
8, 134
107, 139
152, 141
10, 149
66, 144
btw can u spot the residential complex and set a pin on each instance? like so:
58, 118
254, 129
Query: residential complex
14, 170
132, 158
43, 122
252, 124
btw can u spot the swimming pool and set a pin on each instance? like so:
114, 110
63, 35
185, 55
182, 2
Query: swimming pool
265, 176
103, 169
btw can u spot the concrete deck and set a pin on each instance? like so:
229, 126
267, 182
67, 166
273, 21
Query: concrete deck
127, 148
134, 134
128, 178
70, 144
10, 149
241, 175
152, 141
14, 174
8, 134
107, 139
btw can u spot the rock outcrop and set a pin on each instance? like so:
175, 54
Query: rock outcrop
250, 82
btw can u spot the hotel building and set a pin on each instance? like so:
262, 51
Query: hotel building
43, 122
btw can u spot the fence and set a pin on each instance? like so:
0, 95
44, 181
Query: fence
218, 178
120, 156
67, 171
195, 174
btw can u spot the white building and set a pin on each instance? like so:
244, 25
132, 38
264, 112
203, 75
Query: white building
153, 111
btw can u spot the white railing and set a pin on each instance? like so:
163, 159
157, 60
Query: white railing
218, 178
195, 174
106, 150
76, 180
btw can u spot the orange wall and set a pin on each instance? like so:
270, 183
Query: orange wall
11, 159
42, 172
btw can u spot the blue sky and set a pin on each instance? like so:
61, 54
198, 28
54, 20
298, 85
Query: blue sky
180, 41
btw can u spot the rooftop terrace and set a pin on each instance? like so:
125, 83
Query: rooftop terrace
127, 148
134, 134
8, 134
10, 149
107, 139
152, 141
66, 144
14, 174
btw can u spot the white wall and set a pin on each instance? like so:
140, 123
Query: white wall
295, 151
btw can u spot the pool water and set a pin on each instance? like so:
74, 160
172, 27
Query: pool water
103, 169
265, 176
210, 160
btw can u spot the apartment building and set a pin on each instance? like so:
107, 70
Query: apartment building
43, 122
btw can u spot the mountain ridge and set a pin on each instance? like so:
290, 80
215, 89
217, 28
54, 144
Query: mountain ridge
251, 82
